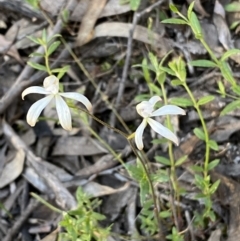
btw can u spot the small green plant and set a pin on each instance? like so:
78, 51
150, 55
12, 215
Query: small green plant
82, 224
50, 45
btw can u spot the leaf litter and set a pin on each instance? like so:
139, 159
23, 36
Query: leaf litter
53, 163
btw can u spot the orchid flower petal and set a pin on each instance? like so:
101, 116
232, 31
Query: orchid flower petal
51, 83
153, 100
144, 109
162, 130
168, 110
35, 90
64, 114
79, 97
36, 109
139, 134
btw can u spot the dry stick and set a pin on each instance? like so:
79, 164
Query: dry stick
9, 97
122, 83
63, 197
19, 223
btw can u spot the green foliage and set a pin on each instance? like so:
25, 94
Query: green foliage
203, 63
180, 101
199, 133
33, 3
148, 222
175, 236
231, 107
50, 45
138, 173
82, 223
134, 4
233, 7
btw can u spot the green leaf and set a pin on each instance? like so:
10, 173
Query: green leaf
230, 107
159, 141
154, 61
173, 8
214, 187
145, 70
161, 176
190, 9
199, 133
213, 164
44, 36
134, 4
196, 168
229, 53
53, 47
37, 66
35, 54
180, 101
167, 70
163, 160
35, 40
63, 69
155, 89
204, 100
161, 77
55, 36
236, 89
227, 73
181, 160
221, 88
203, 63
176, 82
196, 27
233, 7
144, 189
33, 3
213, 145
234, 24
165, 214
199, 180
174, 21
181, 69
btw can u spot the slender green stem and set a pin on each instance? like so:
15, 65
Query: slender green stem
102, 122
214, 58
173, 177
156, 209
121, 161
47, 60
207, 154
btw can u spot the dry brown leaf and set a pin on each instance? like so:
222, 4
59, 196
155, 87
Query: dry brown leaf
219, 21
52, 236
97, 190
23, 28
112, 8
6, 47
215, 235
77, 146
90, 17
12, 169
117, 29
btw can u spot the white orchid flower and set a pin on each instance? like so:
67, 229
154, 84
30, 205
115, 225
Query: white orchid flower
146, 110
51, 89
